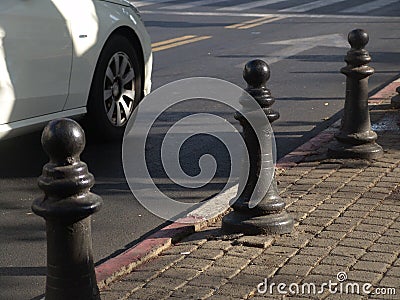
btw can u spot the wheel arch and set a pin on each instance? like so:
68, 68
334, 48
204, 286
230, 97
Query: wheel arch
131, 35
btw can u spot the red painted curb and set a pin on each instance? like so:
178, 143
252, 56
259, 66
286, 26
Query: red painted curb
153, 245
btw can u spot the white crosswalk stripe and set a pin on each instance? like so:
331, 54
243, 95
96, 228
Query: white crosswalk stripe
193, 4
251, 4
370, 6
309, 6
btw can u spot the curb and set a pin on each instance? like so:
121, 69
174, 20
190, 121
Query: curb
201, 217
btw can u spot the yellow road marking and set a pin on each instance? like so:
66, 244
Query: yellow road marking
247, 22
260, 23
254, 23
180, 43
186, 37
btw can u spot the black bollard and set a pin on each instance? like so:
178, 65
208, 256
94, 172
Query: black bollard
395, 101
66, 206
268, 216
356, 138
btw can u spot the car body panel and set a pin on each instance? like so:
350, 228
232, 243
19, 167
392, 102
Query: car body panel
111, 17
36, 57
63, 51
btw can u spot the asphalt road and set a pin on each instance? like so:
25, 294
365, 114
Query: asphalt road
305, 49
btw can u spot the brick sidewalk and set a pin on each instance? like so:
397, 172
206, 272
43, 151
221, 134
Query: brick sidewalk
347, 220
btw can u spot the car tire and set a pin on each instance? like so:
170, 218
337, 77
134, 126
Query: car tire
115, 90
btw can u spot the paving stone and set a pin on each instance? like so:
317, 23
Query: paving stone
281, 250
394, 272
229, 260
336, 235
389, 281
141, 276
392, 232
384, 214
160, 263
371, 266
344, 297
340, 227
293, 269
363, 276
294, 240
377, 247
361, 207
306, 260
236, 290
177, 250
375, 221
208, 281
335, 207
221, 271
371, 228
166, 282
367, 201
356, 214
126, 286
339, 260
348, 220
357, 189
247, 279
348, 251
355, 243
244, 251
319, 251
206, 254
220, 245
317, 221
309, 228
270, 260
394, 240
259, 270
328, 270
316, 279
222, 297
320, 242
192, 292
284, 278
300, 208
113, 294
194, 263
197, 238
347, 195
379, 257
181, 273
357, 234
256, 241
324, 213
150, 293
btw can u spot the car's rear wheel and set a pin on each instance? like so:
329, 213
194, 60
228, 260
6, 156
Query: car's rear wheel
115, 90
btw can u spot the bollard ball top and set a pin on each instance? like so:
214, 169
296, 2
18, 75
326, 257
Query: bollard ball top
358, 38
63, 140
256, 73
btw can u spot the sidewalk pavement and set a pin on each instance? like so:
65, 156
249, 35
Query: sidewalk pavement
346, 236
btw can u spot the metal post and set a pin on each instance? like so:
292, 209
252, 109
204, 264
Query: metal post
66, 206
356, 138
268, 216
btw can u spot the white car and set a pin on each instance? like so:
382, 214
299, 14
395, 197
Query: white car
64, 58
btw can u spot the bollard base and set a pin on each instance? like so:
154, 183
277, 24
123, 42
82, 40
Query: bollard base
395, 101
237, 222
364, 151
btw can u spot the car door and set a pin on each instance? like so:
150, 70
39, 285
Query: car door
35, 59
